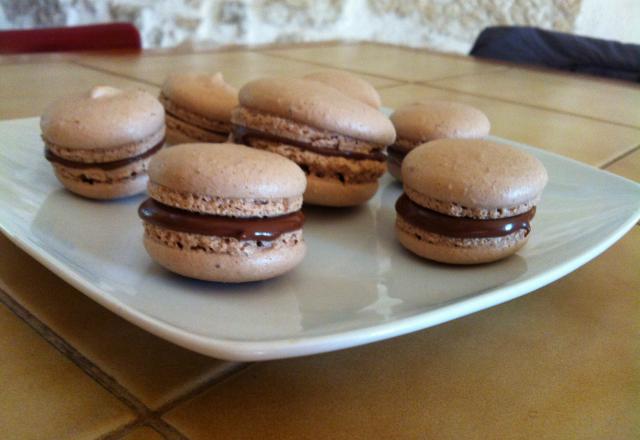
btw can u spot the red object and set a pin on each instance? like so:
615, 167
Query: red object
68, 39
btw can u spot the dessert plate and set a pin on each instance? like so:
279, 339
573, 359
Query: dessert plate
356, 285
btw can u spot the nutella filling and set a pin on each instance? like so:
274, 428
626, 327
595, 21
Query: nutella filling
395, 154
51, 157
243, 135
265, 229
461, 227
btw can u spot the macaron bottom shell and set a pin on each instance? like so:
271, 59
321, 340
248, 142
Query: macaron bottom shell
107, 190
332, 192
226, 268
457, 251
394, 169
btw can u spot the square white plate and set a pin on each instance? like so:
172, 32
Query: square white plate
356, 285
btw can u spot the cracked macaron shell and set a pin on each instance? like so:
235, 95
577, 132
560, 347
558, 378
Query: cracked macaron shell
102, 118
318, 105
349, 84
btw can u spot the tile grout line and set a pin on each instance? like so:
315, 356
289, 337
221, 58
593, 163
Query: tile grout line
622, 156
97, 374
406, 81
319, 64
524, 104
398, 82
118, 74
223, 377
143, 413
122, 430
463, 75
155, 420
155, 423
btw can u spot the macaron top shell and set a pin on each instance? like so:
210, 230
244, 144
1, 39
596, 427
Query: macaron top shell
103, 117
227, 171
474, 173
318, 105
349, 84
429, 120
205, 94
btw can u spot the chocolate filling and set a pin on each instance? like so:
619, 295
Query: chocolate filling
51, 157
265, 229
461, 227
395, 154
243, 135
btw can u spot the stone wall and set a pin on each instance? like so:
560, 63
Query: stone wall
447, 25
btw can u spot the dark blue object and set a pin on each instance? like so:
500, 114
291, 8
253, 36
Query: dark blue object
558, 50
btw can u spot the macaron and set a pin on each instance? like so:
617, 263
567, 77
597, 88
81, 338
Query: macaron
467, 201
100, 142
336, 140
349, 84
198, 107
426, 121
224, 212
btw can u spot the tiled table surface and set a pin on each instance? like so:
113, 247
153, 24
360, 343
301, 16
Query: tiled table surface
563, 362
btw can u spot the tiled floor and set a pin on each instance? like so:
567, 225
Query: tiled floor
560, 361
385, 61
237, 67
628, 166
143, 433
23, 92
589, 141
155, 371
33, 374
601, 99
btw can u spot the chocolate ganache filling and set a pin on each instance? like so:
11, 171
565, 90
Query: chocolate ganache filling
265, 229
461, 227
51, 157
243, 135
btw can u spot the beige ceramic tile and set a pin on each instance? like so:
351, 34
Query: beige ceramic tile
154, 370
391, 62
44, 395
557, 364
607, 100
628, 166
27, 88
143, 433
586, 140
237, 67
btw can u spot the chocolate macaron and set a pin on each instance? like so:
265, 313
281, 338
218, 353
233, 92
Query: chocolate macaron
467, 201
224, 212
349, 84
337, 140
198, 107
426, 121
100, 142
